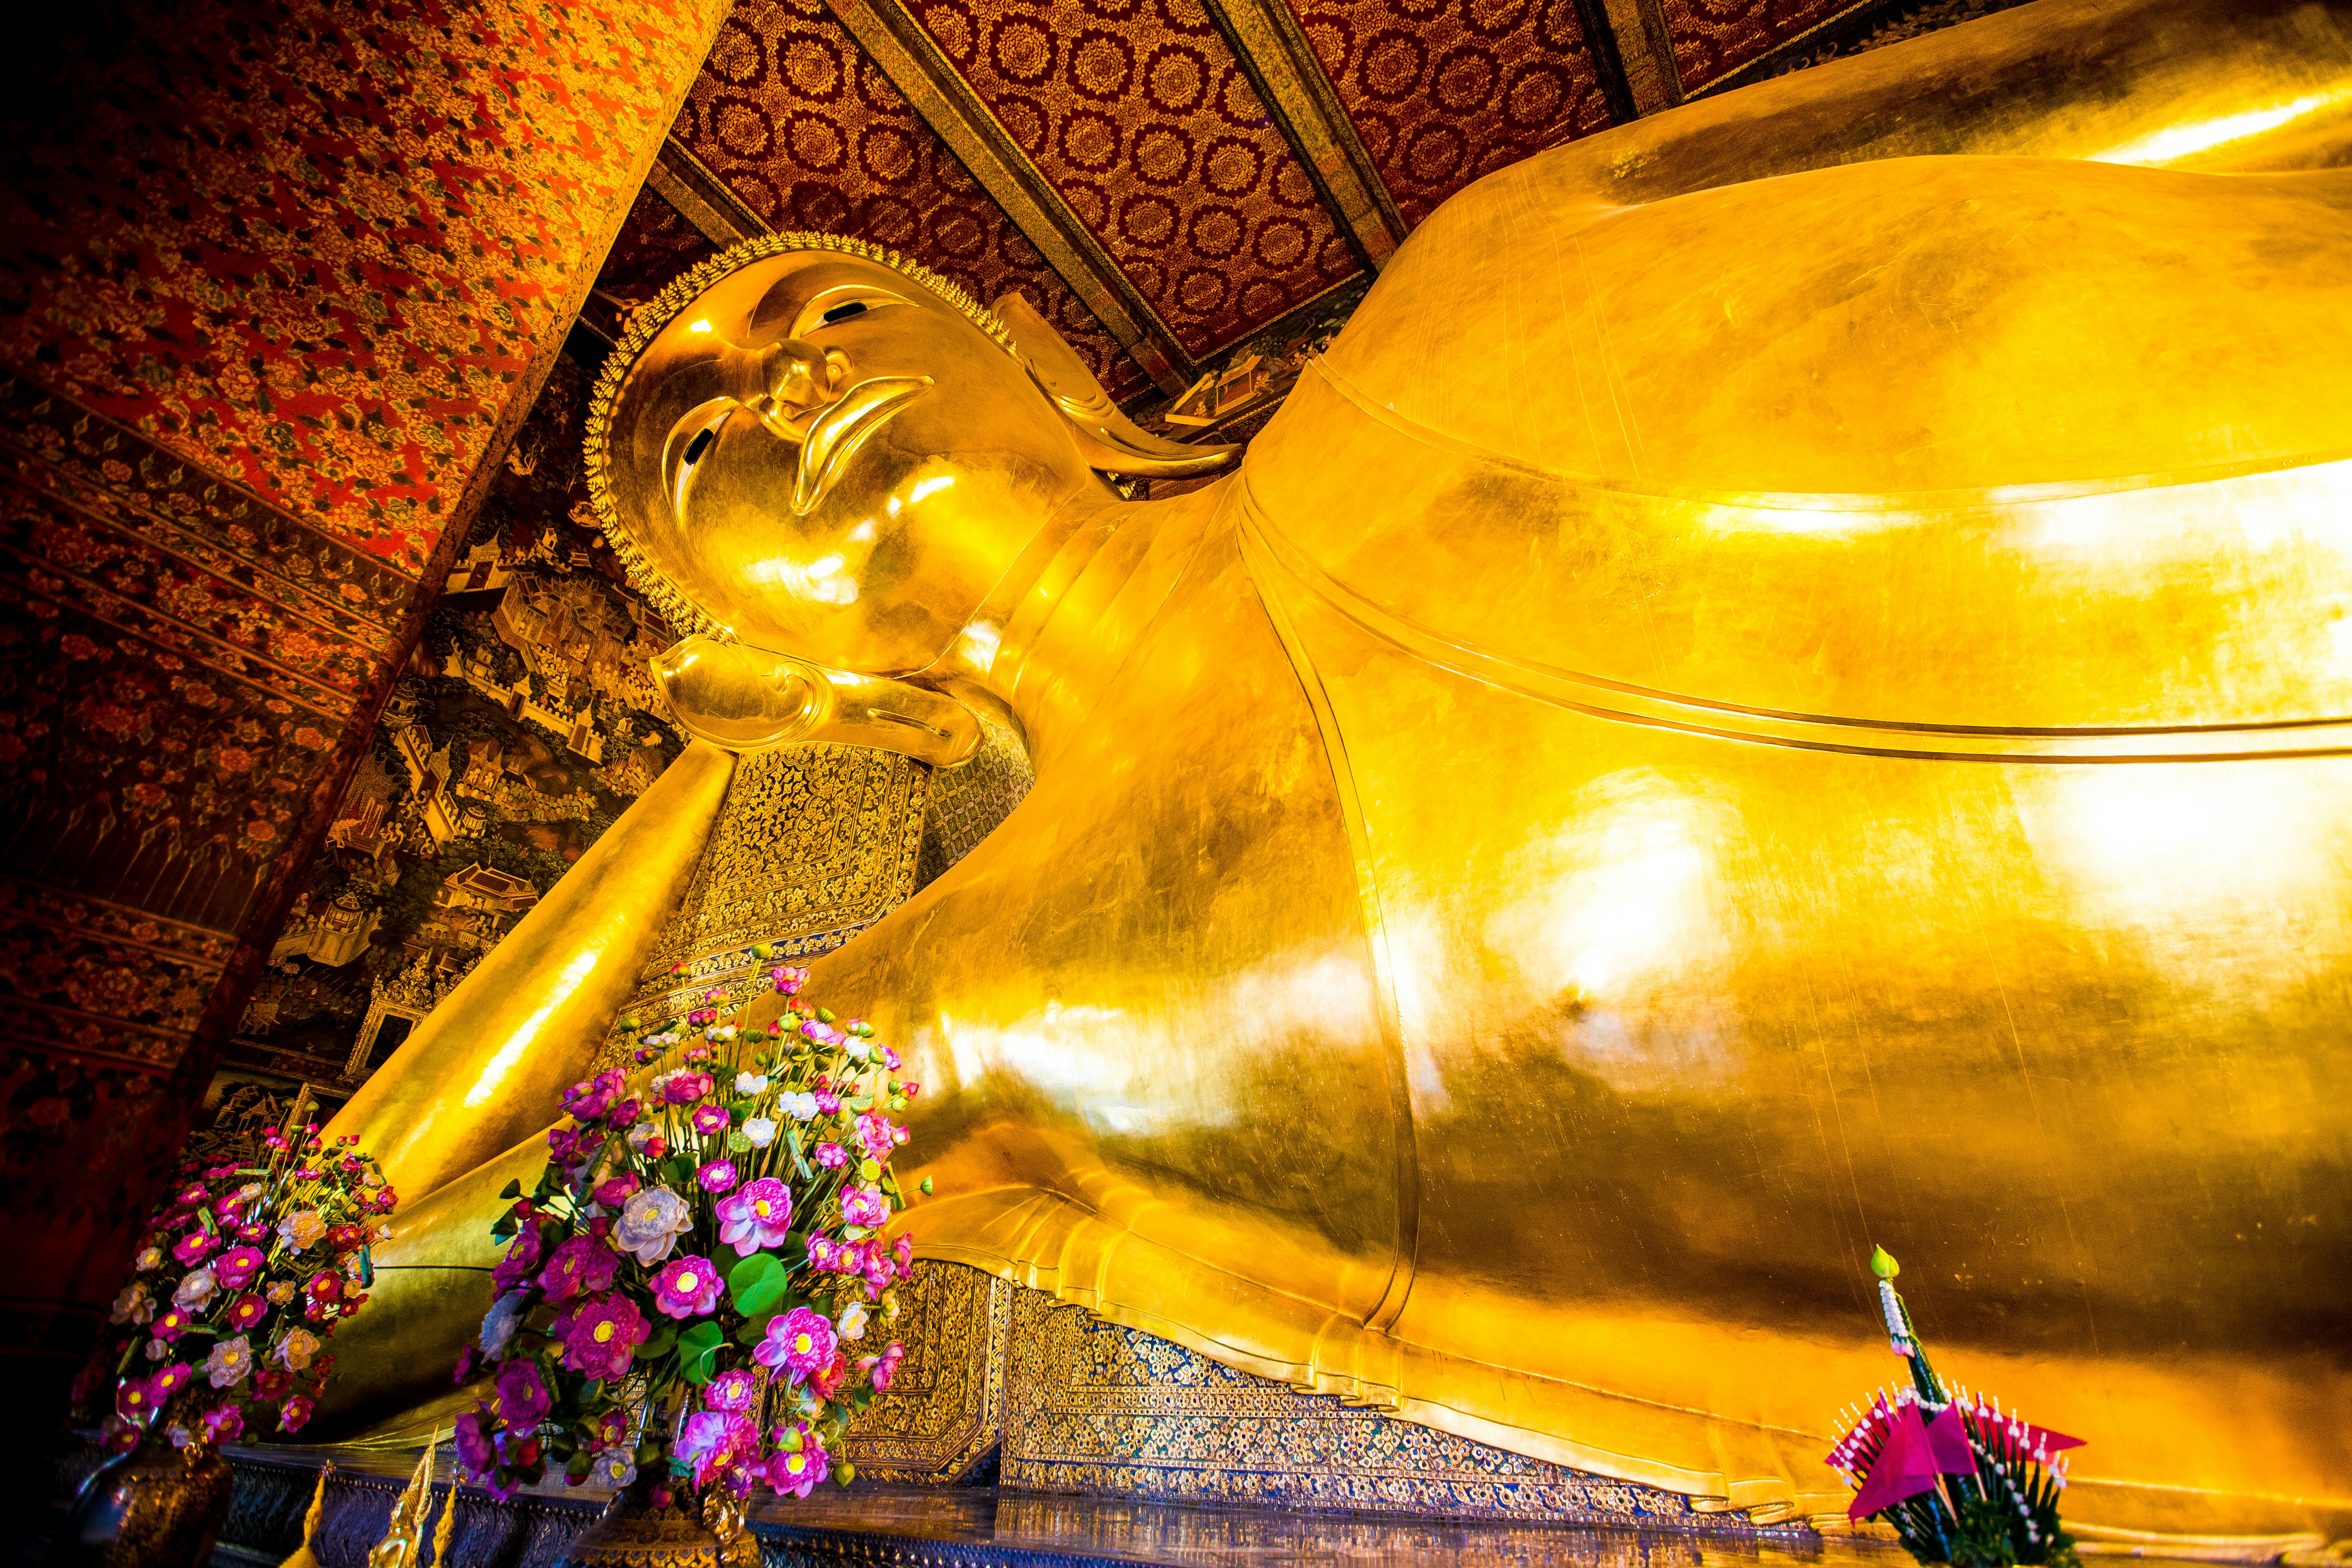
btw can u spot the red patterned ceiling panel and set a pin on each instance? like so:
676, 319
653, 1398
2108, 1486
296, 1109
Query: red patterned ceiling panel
1444, 91
655, 244
801, 125
1712, 38
1136, 112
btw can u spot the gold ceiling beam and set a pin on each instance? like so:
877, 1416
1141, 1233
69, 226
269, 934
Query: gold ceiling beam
702, 197
1274, 54
928, 80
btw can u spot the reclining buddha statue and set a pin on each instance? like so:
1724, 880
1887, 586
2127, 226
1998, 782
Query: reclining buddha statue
1785, 685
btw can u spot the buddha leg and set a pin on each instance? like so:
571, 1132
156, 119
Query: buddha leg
489, 1066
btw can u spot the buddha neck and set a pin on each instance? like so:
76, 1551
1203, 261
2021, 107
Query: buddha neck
1047, 643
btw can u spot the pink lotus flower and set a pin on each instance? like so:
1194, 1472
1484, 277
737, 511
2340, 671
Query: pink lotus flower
865, 1207
581, 1266
798, 1470
733, 1389
237, 1266
591, 1098
903, 1249
711, 1120
717, 1176
477, 1451
195, 1246
607, 1429
799, 1341
822, 1253
911, 1088
874, 1135
686, 1288
710, 1439
295, 1414
246, 1311
882, 1368
171, 1380
831, 1156
135, 1399
757, 1217
172, 1323
601, 1336
686, 1087
224, 1425
521, 1256
625, 1116
618, 1190
522, 1395
651, 1222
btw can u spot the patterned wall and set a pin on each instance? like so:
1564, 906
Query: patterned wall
1444, 91
1136, 112
1713, 38
277, 275
655, 244
801, 125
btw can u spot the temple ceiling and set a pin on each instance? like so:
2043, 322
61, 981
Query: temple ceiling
1166, 180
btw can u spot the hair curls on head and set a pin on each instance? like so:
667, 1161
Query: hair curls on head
646, 322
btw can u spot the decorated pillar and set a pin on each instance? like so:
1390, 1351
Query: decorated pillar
277, 281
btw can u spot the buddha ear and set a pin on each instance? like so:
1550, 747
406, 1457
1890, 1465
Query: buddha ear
1110, 440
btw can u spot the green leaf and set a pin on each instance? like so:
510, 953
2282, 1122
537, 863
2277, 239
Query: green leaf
659, 1343
698, 1352
752, 1330
755, 1284
511, 1191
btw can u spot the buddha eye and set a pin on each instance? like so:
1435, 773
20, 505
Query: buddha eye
698, 445
843, 313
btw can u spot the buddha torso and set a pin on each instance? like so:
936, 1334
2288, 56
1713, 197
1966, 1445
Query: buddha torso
1687, 708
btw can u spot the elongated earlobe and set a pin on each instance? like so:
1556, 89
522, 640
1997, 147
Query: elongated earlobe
1110, 440
744, 699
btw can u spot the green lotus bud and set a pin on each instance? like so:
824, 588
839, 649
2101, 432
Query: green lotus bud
844, 1474
1883, 1263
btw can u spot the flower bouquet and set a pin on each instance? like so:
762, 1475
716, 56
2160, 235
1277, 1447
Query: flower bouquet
692, 1290
1961, 1482
238, 1282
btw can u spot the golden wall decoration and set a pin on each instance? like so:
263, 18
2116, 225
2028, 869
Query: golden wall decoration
945, 1410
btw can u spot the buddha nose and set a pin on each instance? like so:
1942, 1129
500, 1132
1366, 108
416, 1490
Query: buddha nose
786, 381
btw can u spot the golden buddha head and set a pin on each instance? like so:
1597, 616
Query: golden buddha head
818, 448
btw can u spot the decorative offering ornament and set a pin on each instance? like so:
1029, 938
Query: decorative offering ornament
239, 1281
692, 1299
1961, 1481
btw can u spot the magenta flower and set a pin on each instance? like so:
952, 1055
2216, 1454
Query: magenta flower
800, 1471
625, 1116
903, 1249
875, 1134
237, 1266
601, 1336
582, 1266
733, 1389
686, 1288
521, 1257
710, 1439
757, 1217
171, 1380
591, 1099
194, 1247
686, 1087
711, 1120
476, 1447
865, 1207
258, 1231
246, 1311
522, 1394
799, 1341
831, 1156
882, 1368
172, 1323
879, 1272
295, 1414
822, 1253
718, 1177
135, 1399
849, 1259
224, 1423
607, 1429
827, 1103
618, 1190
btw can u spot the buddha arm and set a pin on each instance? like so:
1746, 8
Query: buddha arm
488, 1068
2204, 85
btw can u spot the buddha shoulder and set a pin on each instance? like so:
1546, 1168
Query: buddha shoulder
1882, 435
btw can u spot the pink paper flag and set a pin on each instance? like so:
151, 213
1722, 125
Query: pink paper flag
1947, 1443
1906, 1466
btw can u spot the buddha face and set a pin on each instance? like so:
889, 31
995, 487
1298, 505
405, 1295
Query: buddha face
834, 461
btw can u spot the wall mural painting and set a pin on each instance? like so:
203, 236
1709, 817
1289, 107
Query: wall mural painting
524, 725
